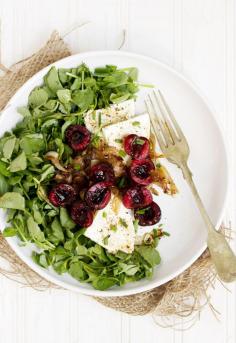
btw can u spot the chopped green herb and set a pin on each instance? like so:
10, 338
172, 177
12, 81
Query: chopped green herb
136, 123
158, 165
122, 182
113, 227
99, 119
94, 115
77, 167
165, 233
143, 210
139, 141
123, 222
117, 140
105, 239
104, 215
95, 140
122, 153
135, 223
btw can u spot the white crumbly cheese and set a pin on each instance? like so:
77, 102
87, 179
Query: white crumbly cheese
139, 125
113, 231
96, 119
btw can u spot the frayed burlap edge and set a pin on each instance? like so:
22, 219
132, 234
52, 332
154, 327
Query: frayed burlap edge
54, 50
182, 296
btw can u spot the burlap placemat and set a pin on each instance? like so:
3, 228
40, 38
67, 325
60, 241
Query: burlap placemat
182, 296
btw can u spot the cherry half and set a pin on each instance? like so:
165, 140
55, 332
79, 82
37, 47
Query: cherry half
102, 172
140, 171
149, 215
77, 137
137, 147
62, 195
98, 196
81, 214
136, 197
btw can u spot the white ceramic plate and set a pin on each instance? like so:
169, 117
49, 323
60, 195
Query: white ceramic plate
207, 160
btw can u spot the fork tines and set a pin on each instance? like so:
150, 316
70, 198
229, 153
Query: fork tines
164, 124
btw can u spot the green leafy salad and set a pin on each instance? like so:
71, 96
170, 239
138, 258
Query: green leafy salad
40, 156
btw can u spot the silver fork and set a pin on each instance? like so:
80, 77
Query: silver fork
176, 149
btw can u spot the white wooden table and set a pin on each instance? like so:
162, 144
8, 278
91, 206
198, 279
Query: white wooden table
196, 37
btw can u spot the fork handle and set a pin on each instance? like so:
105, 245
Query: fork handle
188, 177
222, 255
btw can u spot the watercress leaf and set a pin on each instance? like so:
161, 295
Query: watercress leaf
76, 84
104, 71
40, 259
115, 80
64, 95
128, 269
12, 200
49, 123
61, 266
32, 143
9, 232
48, 172
65, 219
3, 169
150, 254
65, 108
19, 163
43, 260
81, 250
34, 230
116, 98
41, 193
10, 215
83, 98
51, 105
38, 217
14, 180
64, 127
102, 283
76, 271
52, 80
60, 147
4, 186
24, 111
38, 97
57, 230
8, 147
89, 82
45, 245
133, 74
62, 73
34, 160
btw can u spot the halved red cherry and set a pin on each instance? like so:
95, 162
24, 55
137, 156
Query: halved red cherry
62, 195
149, 215
77, 137
103, 172
140, 171
136, 197
98, 196
137, 147
81, 214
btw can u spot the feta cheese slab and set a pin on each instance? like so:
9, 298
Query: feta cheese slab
96, 119
112, 228
114, 134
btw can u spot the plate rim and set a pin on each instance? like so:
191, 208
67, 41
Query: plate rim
212, 113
